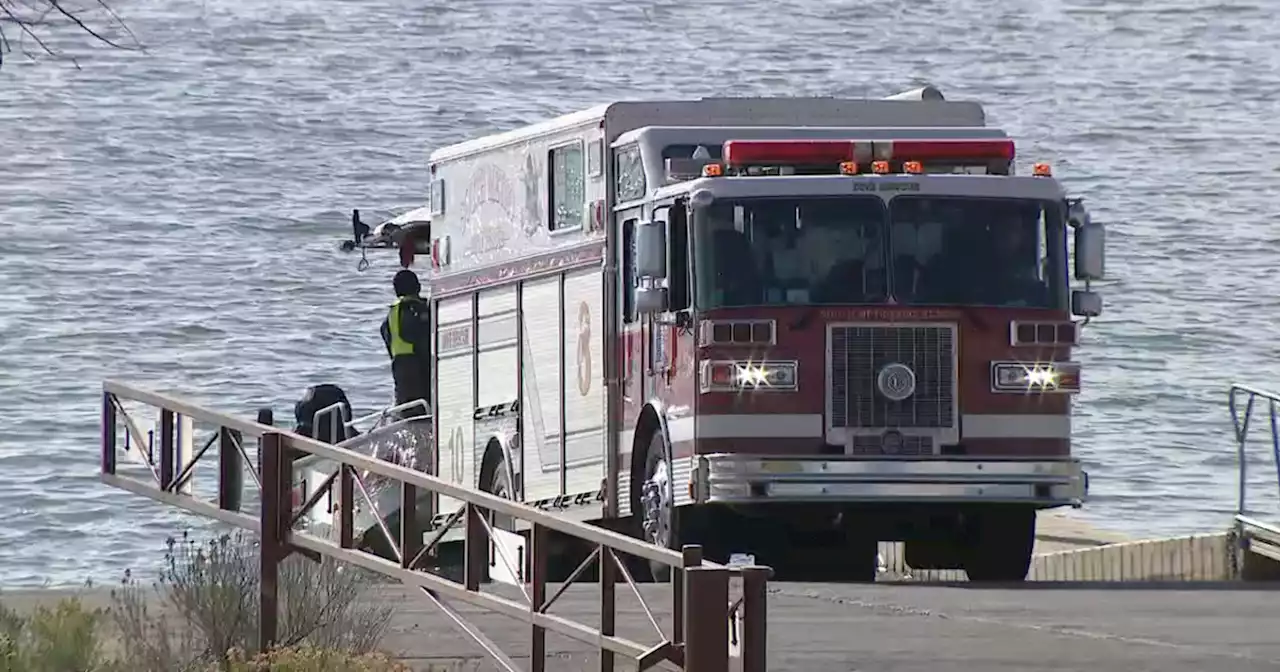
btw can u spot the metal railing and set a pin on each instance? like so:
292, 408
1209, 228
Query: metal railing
701, 613
1253, 535
1241, 420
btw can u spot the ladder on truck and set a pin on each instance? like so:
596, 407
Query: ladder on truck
1256, 540
706, 630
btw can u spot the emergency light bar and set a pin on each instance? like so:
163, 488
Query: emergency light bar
739, 153
950, 151
788, 152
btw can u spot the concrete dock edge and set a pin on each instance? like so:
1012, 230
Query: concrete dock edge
1067, 550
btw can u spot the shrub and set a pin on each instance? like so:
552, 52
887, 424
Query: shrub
208, 605
307, 658
70, 638
66, 638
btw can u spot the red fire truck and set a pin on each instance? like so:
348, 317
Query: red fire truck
789, 327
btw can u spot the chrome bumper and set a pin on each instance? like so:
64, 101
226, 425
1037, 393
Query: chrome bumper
743, 479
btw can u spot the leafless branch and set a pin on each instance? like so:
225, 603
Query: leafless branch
36, 19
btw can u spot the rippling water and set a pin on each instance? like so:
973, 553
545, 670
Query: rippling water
169, 218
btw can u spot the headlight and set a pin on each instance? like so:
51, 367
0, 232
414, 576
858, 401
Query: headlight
732, 376
1035, 377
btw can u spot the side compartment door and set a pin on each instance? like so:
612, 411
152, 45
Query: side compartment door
542, 333
455, 392
583, 393
497, 382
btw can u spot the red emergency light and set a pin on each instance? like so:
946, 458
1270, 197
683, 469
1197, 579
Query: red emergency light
787, 152
948, 151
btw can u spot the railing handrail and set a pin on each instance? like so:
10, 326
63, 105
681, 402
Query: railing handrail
1241, 426
519, 510
394, 409
379, 415
700, 631
246, 427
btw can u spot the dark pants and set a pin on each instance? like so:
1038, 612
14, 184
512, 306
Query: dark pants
413, 381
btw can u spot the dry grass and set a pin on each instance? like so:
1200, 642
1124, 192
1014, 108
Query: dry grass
201, 615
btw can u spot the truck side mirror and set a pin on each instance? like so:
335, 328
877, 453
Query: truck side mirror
1085, 303
1090, 244
651, 250
651, 300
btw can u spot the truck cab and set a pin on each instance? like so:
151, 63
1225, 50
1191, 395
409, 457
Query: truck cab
853, 335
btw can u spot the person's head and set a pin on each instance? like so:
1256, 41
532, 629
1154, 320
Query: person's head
406, 283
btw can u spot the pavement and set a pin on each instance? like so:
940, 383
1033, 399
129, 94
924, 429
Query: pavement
900, 628
922, 628
890, 627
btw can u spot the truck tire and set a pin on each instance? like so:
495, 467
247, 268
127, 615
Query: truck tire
659, 520
1000, 544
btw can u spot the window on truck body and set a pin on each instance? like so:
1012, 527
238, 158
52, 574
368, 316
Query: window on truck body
629, 279
566, 199
628, 174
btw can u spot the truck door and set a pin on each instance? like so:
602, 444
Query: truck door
669, 336
631, 335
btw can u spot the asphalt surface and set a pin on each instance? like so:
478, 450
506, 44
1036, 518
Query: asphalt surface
929, 628
894, 627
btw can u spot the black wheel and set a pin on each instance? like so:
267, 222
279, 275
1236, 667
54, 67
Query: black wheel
659, 522
498, 484
1000, 544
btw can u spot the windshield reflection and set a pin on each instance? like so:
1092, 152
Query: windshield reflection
832, 250
980, 252
799, 251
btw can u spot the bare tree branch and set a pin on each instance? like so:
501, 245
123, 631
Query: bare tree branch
37, 20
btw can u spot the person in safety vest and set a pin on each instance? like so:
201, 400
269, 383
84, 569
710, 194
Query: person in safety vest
406, 331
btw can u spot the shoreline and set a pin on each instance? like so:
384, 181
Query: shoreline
1056, 531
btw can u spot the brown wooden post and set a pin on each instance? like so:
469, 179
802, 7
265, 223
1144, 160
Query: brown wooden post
265, 417
230, 470
539, 547
167, 450
410, 532
346, 507
276, 503
108, 433
755, 618
691, 556
706, 619
608, 603
476, 546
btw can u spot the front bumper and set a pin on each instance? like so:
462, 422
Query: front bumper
755, 479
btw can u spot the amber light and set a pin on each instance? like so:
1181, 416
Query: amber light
712, 170
848, 168
1042, 170
880, 167
913, 167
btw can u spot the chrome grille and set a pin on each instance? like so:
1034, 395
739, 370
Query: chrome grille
858, 353
872, 444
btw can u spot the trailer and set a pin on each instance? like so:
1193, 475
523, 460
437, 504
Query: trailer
788, 327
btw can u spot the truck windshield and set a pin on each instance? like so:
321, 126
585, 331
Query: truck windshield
791, 251
977, 251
